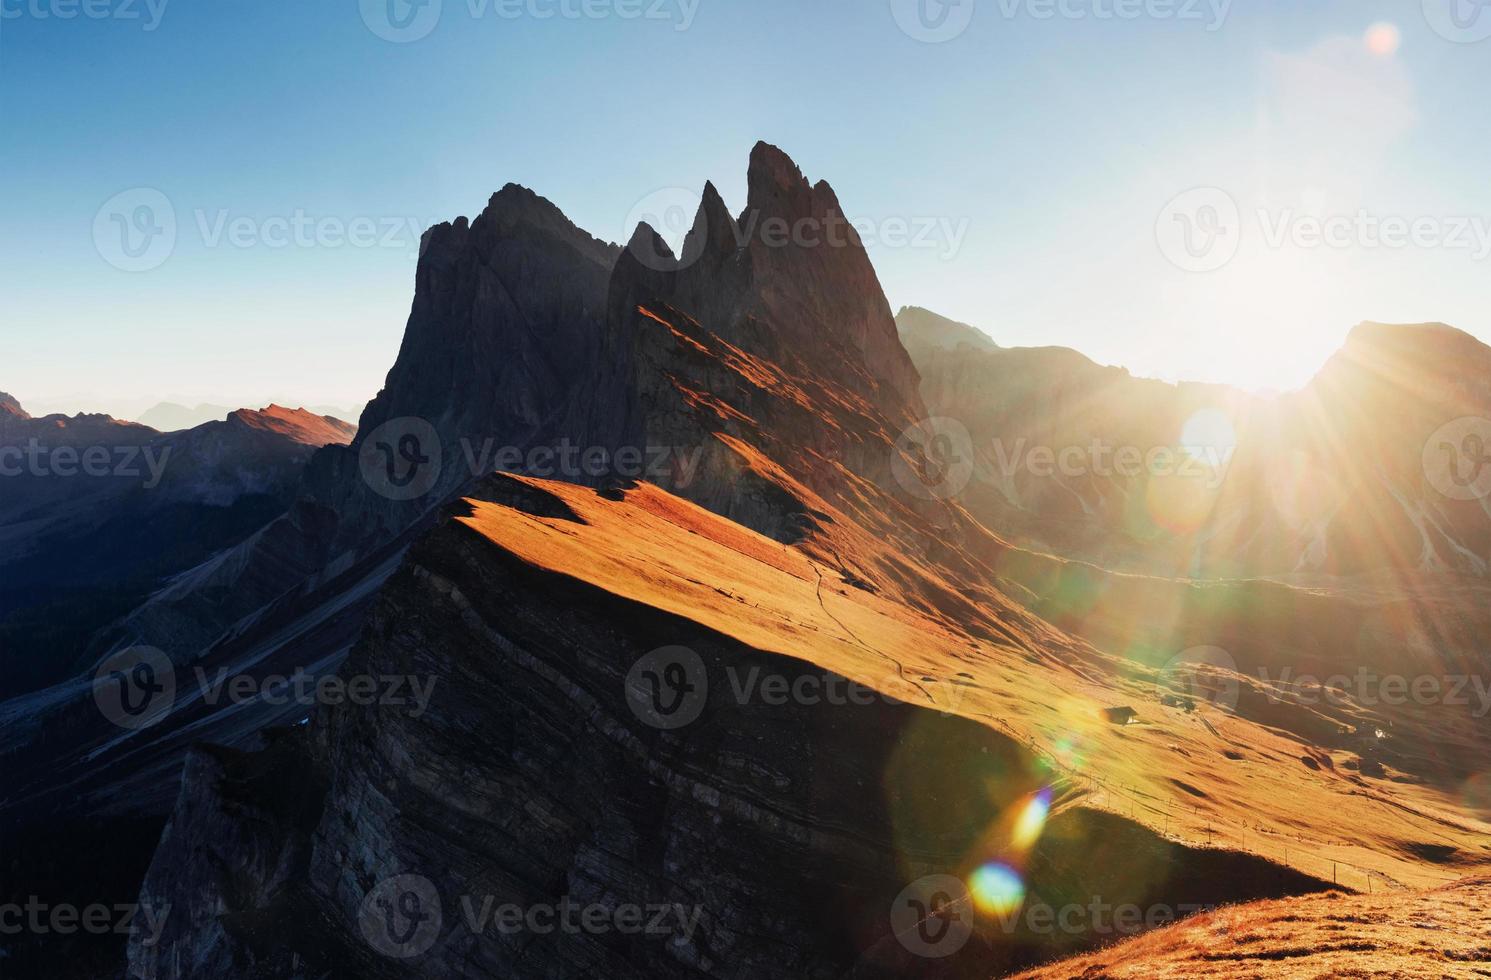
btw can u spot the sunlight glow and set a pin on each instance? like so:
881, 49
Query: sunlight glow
1383, 39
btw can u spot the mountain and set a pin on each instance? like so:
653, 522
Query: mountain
661, 606
1356, 473
561, 620
98, 513
923, 332
10, 407
171, 417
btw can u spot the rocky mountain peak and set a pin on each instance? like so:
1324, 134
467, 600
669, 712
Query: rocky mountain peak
10, 407
714, 231
295, 424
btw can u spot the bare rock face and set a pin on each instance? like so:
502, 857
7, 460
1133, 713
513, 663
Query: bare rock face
758, 837
10, 407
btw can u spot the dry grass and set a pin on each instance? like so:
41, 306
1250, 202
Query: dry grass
1441, 933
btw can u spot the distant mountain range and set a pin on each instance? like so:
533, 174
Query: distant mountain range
604, 487
1356, 472
96, 513
171, 417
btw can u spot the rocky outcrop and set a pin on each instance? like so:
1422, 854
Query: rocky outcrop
756, 836
10, 407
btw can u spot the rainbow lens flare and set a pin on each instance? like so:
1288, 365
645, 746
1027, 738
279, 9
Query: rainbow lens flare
996, 889
1032, 819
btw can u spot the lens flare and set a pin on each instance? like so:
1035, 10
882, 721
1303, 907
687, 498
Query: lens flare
996, 889
1032, 819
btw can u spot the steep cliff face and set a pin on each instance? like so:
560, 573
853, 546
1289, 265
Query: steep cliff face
743, 832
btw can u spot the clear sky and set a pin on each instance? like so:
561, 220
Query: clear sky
1018, 160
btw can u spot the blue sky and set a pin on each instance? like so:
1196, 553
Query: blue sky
1026, 175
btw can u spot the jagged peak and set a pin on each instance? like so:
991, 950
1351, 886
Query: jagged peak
647, 247
771, 165
514, 211
714, 229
